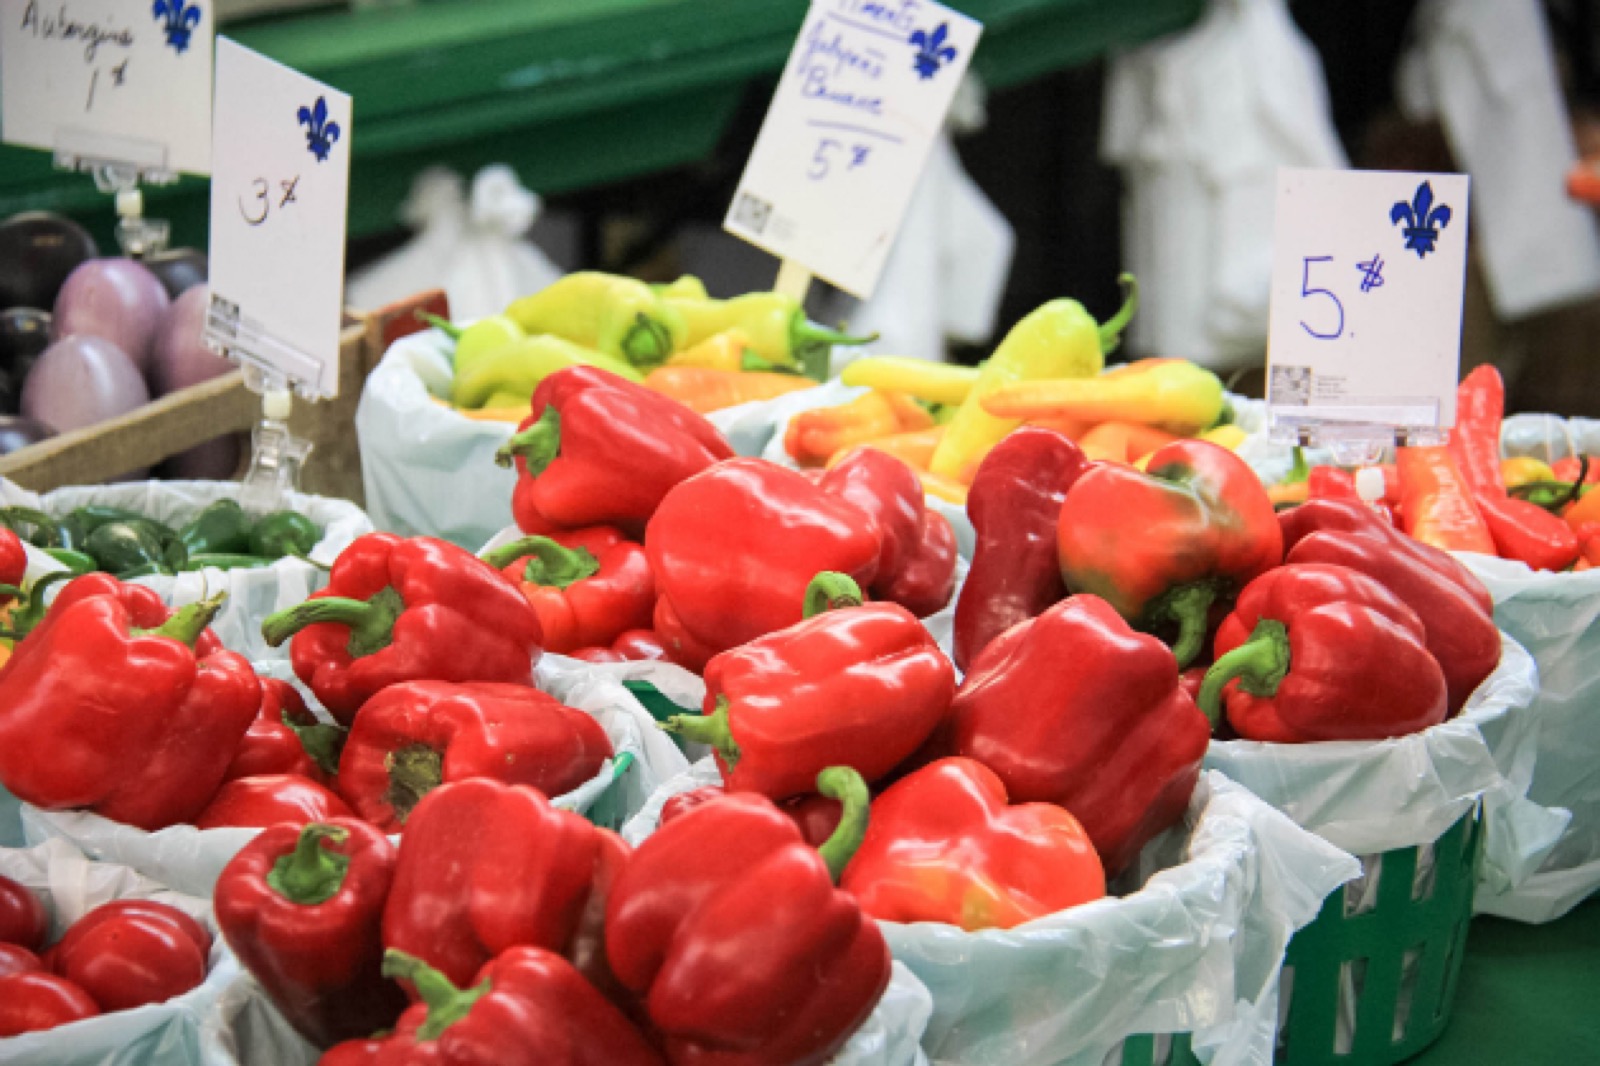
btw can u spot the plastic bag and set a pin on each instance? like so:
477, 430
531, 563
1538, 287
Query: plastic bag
1221, 894
474, 251
252, 594
1369, 797
169, 1033
190, 859
427, 469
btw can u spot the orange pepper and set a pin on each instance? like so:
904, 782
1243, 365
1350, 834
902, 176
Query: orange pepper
1072, 428
1123, 442
1289, 493
1585, 510
915, 449
704, 390
1437, 507
943, 488
720, 351
815, 435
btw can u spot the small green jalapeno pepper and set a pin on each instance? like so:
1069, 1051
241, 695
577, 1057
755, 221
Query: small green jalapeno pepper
221, 528
283, 533
75, 561
34, 526
121, 547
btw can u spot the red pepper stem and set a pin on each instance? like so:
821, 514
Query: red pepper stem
311, 874
32, 610
321, 742
371, 621
709, 729
444, 325
188, 622
447, 1004
414, 771
830, 591
845, 785
1260, 665
1188, 606
11, 590
550, 563
1111, 331
539, 444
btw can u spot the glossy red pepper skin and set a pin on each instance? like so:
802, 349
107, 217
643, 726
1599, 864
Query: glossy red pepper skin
1162, 545
302, 908
486, 866
32, 1002
268, 799
1317, 652
1015, 504
1475, 438
14, 958
140, 727
730, 929
527, 1007
1527, 533
815, 816
927, 578
637, 645
286, 738
23, 920
397, 610
1332, 483
734, 549
588, 586
917, 561
144, 608
1106, 732
411, 738
132, 957
1437, 506
13, 564
944, 846
1452, 603
858, 686
606, 452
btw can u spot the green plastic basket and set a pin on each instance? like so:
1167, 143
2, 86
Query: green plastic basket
608, 810
660, 707
1390, 968
1171, 1050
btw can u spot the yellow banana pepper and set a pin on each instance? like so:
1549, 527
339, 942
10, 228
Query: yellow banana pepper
687, 286
720, 351
1174, 394
775, 326
617, 316
1524, 470
933, 382
516, 370
484, 337
1059, 340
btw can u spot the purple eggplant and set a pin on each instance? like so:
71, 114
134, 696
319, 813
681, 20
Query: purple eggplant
179, 269
38, 250
118, 300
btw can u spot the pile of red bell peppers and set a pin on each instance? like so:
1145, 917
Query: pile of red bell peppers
118, 956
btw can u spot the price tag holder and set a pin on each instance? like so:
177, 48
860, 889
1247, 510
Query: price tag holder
1368, 274
279, 192
124, 84
857, 109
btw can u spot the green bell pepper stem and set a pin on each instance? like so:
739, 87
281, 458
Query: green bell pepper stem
1111, 330
322, 743
830, 591
845, 785
1300, 472
447, 1004
709, 729
812, 345
311, 874
443, 325
548, 562
539, 444
371, 621
1188, 606
12, 591
188, 621
1259, 664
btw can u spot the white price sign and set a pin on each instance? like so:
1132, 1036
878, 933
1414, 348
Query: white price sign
1368, 272
279, 190
120, 82
849, 130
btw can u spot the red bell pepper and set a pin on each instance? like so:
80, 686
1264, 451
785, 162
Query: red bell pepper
1527, 533
1475, 440
588, 587
1015, 863
128, 957
267, 799
23, 920
1014, 504
598, 450
409, 739
860, 686
1453, 604
406, 610
1318, 652
734, 549
528, 1007
14, 958
139, 724
1161, 546
1331, 483
731, 930
485, 866
13, 566
286, 738
635, 645
927, 578
1106, 731
1437, 506
917, 561
32, 1002
302, 908
816, 816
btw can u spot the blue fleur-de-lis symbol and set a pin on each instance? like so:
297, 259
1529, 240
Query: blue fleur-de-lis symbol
1422, 219
932, 52
320, 133
177, 20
